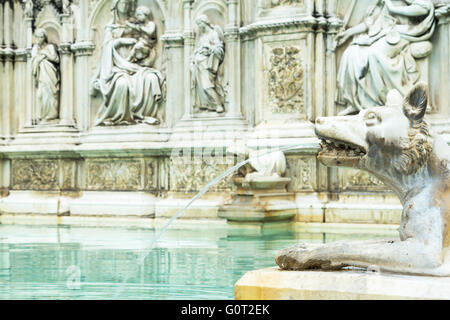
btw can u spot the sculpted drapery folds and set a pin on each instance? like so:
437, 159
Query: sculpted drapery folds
208, 57
45, 61
129, 85
382, 54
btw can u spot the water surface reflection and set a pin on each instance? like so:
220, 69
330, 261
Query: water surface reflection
66, 262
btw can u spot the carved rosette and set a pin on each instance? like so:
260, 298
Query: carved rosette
302, 171
285, 80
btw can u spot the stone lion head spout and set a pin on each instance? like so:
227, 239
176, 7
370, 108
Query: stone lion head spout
392, 142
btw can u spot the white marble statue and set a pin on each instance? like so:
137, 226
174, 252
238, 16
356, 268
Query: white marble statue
45, 61
398, 146
382, 54
208, 57
130, 88
143, 52
29, 7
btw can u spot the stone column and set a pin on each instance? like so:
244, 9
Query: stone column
441, 68
29, 109
20, 80
8, 75
320, 74
173, 44
330, 176
233, 46
334, 23
66, 68
82, 49
189, 43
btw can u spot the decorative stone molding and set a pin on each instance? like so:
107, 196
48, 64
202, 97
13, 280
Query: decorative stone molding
302, 172
175, 40
293, 3
113, 174
43, 174
85, 48
193, 176
121, 174
354, 180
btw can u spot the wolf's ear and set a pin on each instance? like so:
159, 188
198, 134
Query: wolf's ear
416, 102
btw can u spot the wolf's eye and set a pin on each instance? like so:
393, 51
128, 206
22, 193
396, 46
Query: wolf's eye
371, 118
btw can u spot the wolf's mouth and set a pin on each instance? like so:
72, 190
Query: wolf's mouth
340, 150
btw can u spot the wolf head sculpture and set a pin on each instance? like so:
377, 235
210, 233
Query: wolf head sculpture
397, 145
394, 143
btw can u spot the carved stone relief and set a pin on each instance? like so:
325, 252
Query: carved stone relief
208, 92
43, 174
384, 53
285, 80
302, 171
122, 174
46, 73
359, 181
130, 88
276, 3
193, 176
113, 174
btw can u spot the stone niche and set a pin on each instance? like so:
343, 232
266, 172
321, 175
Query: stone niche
274, 65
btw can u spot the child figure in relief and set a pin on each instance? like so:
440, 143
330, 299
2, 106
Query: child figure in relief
143, 52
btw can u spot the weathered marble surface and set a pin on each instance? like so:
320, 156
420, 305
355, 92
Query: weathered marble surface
276, 63
273, 284
396, 144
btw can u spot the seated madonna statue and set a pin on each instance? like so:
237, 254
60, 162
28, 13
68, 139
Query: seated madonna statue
131, 90
382, 54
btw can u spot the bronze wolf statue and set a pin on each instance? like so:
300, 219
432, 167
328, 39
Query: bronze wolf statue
395, 144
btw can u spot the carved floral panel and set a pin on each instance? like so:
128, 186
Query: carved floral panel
193, 176
302, 171
114, 174
285, 76
35, 174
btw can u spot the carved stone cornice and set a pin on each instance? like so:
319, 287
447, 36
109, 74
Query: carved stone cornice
443, 14
7, 53
65, 48
273, 26
21, 55
173, 40
85, 48
232, 33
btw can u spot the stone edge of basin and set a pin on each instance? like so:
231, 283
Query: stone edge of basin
275, 284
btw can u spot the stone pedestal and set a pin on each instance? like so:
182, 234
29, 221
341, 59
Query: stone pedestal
261, 199
273, 284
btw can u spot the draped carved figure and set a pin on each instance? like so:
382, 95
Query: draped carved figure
208, 57
382, 55
129, 85
45, 62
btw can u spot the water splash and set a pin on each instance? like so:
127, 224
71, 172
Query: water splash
146, 252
